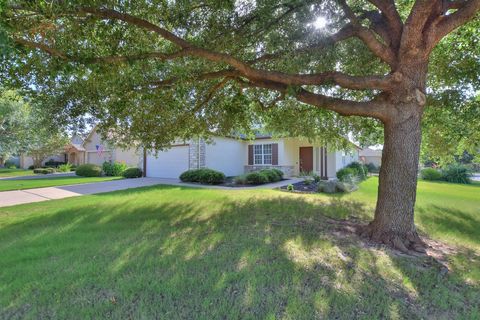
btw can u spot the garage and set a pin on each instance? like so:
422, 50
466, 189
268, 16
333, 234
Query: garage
168, 164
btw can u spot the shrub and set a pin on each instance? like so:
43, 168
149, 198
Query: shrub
132, 173
456, 173
430, 174
53, 164
346, 174
88, 170
205, 176
10, 165
31, 167
372, 168
242, 179
279, 173
316, 178
256, 178
67, 167
308, 181
271, 174
73, 167
44, 170
290, 187
361, 169
114, 169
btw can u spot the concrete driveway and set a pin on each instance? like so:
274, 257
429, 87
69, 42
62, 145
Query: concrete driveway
10, 198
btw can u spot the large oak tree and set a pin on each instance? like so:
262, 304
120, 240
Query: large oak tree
159, 70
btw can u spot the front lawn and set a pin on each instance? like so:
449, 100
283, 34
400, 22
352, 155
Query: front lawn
170, 252
4, 172
52, 181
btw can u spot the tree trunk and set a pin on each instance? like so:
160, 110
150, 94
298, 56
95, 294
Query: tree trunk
393, 223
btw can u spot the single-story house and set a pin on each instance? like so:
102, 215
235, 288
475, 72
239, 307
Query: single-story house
92, 149
235, 156
369, 155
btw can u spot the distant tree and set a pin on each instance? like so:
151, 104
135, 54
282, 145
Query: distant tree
14, 124
43, 143
156, 71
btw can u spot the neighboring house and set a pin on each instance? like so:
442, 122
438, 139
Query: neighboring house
368, 155
91, 150
234, 156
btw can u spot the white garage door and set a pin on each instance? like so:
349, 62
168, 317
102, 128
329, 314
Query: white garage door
168, 164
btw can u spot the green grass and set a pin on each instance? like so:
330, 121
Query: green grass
6, 185
178, 253
4, 172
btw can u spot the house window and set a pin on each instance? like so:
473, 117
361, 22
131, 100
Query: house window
262, 154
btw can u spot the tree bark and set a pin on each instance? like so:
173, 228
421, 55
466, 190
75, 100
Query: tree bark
393, 223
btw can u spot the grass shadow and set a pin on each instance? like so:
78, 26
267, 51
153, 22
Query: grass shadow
178, 252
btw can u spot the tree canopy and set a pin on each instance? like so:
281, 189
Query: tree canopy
132, 66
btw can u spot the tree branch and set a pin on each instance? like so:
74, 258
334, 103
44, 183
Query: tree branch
392, 17
372, 108
447, 23
415, 24
368, 37
106, 59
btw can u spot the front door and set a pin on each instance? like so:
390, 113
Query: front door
306, 159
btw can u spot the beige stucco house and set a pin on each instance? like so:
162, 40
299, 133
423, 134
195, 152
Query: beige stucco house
92, 149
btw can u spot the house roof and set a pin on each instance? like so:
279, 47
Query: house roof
75, 146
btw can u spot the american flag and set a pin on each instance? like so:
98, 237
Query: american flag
99, 149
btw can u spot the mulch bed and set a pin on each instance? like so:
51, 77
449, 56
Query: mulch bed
302, 187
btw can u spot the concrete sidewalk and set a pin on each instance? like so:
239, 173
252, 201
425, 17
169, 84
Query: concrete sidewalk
10, 198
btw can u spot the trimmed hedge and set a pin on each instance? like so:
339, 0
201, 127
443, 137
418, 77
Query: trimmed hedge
114, 169
88, 170
44, 170
132, 173
256, 178
260, 177
204, 176
430, 174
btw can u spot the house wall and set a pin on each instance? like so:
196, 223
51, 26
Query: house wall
343, 158
130, 157
377, 161
226, 155
27, 161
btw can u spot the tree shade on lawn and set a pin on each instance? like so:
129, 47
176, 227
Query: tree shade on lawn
176, 252
227, 65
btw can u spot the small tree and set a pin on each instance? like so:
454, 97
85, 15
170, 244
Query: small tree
44, 143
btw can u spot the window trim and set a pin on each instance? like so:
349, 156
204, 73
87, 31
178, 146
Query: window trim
262, 154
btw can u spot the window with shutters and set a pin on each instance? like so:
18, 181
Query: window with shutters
262, 154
